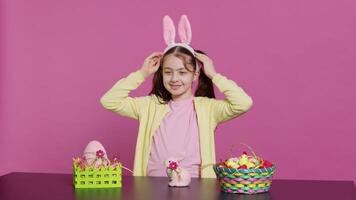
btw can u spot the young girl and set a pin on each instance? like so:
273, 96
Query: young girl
174, 122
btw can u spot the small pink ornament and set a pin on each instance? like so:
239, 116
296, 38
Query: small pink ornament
178, 176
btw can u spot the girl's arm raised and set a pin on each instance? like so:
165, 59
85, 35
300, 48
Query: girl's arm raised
117, 98
236, 101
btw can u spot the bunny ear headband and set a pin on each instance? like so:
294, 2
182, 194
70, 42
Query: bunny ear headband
184, 32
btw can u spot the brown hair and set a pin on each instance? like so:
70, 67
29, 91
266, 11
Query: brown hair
205, 86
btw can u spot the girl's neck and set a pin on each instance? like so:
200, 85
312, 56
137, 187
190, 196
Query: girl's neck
183, 97
183, 100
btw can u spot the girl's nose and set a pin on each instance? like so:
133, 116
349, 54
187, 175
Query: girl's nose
174, 77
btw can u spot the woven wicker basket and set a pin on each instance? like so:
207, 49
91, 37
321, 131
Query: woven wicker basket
246, 181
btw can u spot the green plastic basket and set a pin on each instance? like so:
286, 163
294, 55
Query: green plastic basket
97, 177
245, 181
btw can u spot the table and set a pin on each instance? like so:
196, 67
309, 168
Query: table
38, 186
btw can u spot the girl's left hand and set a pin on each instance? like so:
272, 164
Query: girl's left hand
208, 66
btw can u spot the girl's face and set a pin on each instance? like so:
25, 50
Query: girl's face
177, 79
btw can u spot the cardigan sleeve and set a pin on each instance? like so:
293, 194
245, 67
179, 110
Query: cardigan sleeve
117, 99
236, 100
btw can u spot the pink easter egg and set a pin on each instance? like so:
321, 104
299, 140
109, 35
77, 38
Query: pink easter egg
90, 152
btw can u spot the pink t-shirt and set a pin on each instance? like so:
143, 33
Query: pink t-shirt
177, 135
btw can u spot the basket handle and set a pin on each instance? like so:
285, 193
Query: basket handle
249, 148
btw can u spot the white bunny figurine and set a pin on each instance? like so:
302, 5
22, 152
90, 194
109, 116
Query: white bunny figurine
178, 176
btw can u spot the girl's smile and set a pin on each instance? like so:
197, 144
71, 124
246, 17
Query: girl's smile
175, 87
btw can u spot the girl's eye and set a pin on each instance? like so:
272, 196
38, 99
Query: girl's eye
183, 72
167, 72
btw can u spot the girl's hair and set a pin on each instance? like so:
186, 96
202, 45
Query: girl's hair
205, 86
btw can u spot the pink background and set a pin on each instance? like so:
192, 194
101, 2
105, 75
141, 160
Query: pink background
295, 58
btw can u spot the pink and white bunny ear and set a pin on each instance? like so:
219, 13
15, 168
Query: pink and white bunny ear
184, 30
169, 32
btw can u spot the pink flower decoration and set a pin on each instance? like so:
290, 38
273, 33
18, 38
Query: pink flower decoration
100, 154
115, 159
173, 165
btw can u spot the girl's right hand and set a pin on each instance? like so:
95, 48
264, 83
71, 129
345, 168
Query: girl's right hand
151, 64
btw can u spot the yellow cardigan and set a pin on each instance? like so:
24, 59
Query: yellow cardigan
149, 112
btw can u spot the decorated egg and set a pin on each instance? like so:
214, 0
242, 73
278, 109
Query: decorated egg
95, 154
232, 162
